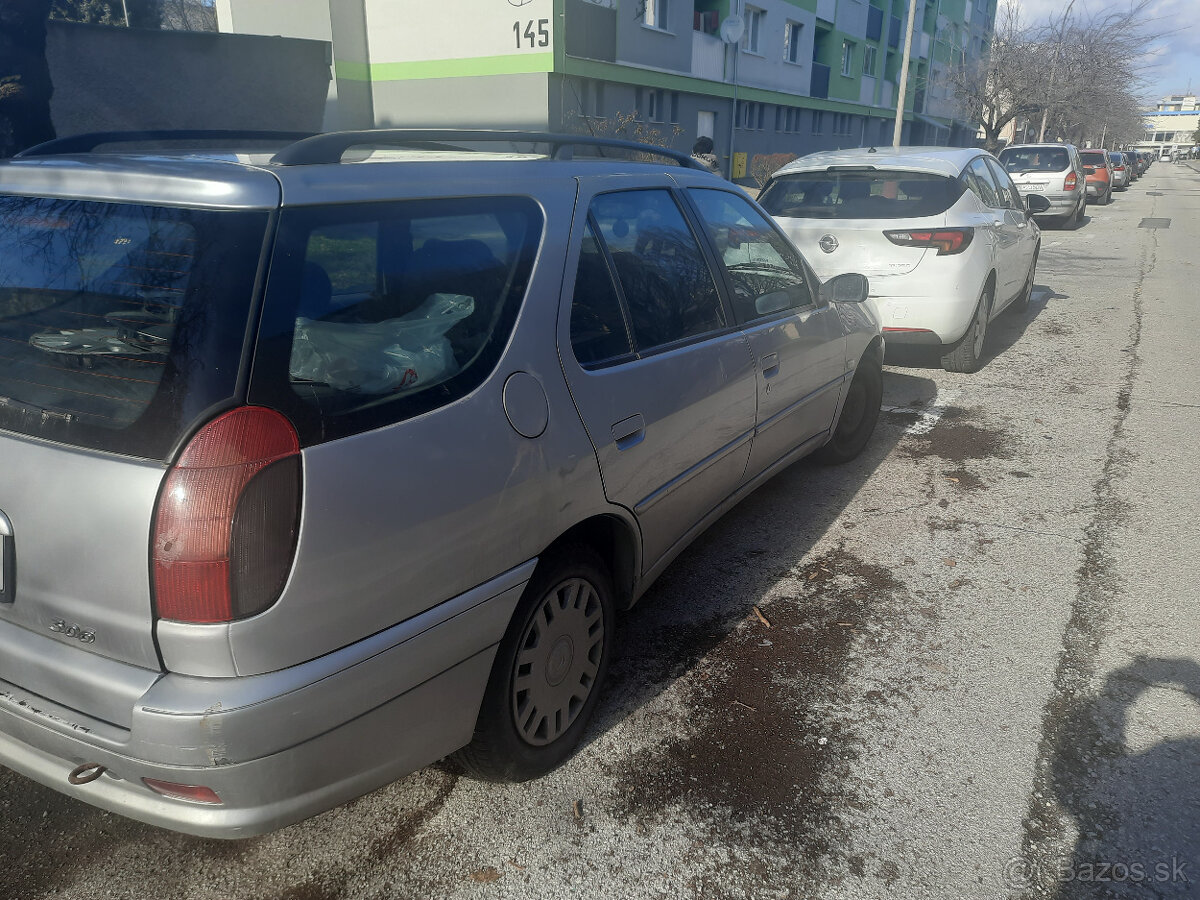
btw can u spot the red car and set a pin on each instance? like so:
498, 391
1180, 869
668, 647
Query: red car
1099, 174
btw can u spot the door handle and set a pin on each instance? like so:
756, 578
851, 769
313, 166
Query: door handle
770, 365
629, 432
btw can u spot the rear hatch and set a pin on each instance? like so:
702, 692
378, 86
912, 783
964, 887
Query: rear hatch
838, 217
122, 325
1037, 170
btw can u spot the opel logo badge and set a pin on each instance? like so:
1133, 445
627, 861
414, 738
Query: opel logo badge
828, 243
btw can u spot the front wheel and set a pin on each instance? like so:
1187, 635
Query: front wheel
860, 413
967, 354
1021, 304
546, 677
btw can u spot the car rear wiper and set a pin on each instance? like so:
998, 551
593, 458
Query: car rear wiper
30, 409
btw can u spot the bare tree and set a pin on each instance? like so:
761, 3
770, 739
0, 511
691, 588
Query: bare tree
1075, 77
1007, 82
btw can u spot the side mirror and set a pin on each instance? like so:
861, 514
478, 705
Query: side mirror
1036, 203
848, 288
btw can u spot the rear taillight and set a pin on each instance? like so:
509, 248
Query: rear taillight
196, 793
1069, 183
947, 240
226, 523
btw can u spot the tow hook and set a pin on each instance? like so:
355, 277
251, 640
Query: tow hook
86, 773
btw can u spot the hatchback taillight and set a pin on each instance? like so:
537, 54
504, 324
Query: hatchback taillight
227, 519
947, 240
1069, 183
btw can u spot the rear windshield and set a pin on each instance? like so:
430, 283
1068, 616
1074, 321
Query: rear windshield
879, 194
1035, 159
1117, 158
1092, 159
119, 323
379, 312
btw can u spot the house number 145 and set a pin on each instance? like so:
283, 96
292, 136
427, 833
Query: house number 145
530, 38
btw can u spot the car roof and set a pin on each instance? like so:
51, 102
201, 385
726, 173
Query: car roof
231, 177
934, 160
1035, 146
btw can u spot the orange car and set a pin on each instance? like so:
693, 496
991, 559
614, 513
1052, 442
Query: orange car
1098, 170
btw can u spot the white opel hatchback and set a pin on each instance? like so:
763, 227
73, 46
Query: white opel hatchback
942, 234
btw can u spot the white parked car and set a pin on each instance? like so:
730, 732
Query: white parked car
941, 233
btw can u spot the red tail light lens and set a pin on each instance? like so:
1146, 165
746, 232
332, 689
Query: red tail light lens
1069, 183
194, 792
227, 520
948, 241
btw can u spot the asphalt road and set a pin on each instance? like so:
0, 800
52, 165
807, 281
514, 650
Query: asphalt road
980, 676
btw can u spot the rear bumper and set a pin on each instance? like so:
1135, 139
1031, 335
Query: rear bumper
279, 747
931, 305
1097, 188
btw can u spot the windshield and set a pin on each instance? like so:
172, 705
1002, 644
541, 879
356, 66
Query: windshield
1093, 159
879, 194
119, 323
1035, 159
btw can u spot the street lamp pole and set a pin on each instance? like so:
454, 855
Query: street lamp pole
912, 15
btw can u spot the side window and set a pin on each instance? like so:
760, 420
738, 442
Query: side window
379, 312
979, 180
764, 270
1009, 197
668, 288
598, 330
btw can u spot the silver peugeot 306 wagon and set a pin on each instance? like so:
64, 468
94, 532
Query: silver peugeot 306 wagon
322, 463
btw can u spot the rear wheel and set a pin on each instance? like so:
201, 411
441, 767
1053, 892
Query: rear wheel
548, 670
967, 354
860, 412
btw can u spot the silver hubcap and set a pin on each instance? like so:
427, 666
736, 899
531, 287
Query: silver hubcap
557, 661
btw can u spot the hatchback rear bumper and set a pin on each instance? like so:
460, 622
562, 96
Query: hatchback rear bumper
279, 747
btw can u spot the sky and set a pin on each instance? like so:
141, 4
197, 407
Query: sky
1174, 58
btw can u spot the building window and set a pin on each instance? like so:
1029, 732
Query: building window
791, 42
869, 55
818, 121
754, 23
655, 14
847, 57
674, 106
654, 106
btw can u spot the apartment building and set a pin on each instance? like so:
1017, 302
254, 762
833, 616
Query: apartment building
1171, 127
804, 75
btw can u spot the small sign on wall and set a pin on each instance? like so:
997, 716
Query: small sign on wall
739, 166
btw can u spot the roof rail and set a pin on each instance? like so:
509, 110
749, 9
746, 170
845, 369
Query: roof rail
86, 143
330, 147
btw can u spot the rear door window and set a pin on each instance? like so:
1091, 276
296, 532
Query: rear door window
120, 323
668, 287
379, 312
979, 180
1010, 197
879, 194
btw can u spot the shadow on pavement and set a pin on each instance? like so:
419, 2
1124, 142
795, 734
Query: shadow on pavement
1123, 768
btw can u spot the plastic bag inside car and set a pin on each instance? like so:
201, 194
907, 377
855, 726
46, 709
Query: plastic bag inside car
389, 357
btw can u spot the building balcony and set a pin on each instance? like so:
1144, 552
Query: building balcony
819, 87
708, 56
591, 31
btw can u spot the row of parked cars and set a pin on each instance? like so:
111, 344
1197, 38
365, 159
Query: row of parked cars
360, 442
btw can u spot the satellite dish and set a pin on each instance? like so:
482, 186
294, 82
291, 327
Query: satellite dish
732, 29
